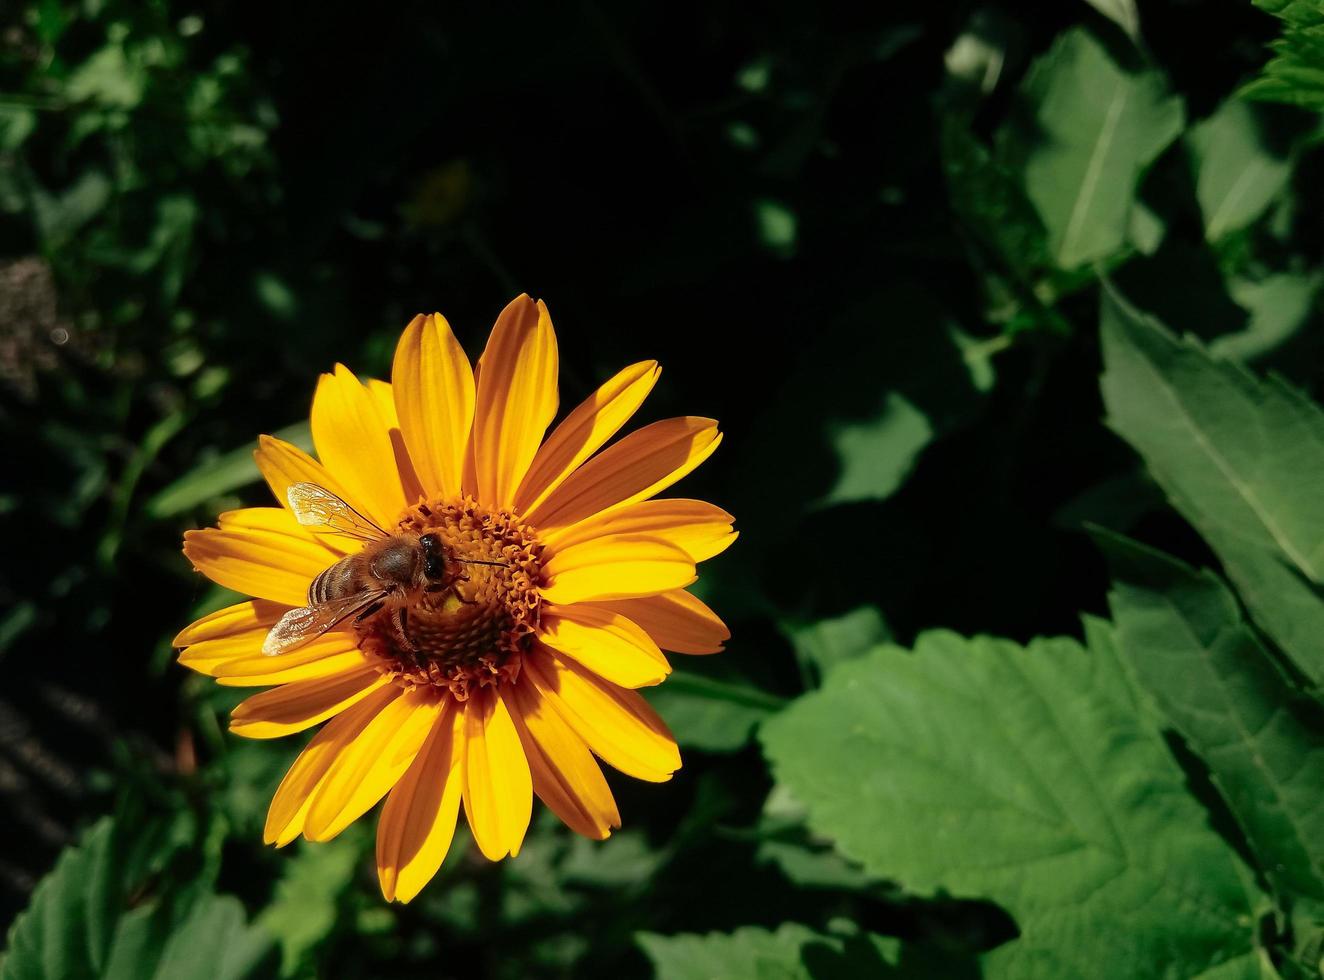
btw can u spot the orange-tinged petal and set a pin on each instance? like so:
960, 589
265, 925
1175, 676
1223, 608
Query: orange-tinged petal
261, 551
418, 821
585, 430
323, 657
516, 399
289, 805
371, 764
700, 529
498, 789
615, 566
282, 464
434, 399
384, 398
237, 620
640, 465
617, 724
566, 777
293, 707
676, 620
605, 642
353, 440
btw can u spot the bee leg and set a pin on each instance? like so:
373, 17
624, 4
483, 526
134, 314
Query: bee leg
376, 606
407, 641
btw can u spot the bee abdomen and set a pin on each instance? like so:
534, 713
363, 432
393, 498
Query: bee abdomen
332, 583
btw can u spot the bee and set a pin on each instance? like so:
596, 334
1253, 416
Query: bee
391, 572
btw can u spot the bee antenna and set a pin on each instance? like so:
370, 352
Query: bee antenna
475, 561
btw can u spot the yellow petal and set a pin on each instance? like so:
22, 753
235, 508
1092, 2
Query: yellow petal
260, 551
434, 398
384, 398
282, 464
585, 430
617, 724
615, 566
323, 657
289, 805
237, 620
354, 442
605, 642
498, 790
371, 764
676, 621
566, 777
642, 464
698, 528
216, 657
516, 399
418, 821
294, 707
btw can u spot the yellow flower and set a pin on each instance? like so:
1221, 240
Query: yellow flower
511, 679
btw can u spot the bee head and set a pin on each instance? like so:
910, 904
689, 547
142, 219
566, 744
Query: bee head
434, 556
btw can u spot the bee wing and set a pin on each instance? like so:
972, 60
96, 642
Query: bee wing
320, 509
307, 623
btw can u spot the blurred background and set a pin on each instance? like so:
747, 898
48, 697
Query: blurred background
839, 230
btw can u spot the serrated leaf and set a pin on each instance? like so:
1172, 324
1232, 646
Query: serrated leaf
1237, 174
1295, 74
1241, 458
1028, 776
1096, 128
65, 931
1183, 636
78, 923
793, 952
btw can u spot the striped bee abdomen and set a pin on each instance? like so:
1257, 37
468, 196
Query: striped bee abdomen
333, 582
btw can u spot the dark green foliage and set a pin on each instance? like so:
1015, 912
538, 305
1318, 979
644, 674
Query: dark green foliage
1011, 316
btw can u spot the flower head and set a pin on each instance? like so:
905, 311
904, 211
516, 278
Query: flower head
507, 667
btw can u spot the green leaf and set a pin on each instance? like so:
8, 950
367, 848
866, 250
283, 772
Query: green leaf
1096, 128
1240, 458
1031, 777
65, 932
823, 644
1237, 174
1295, 75
215, 943
711, 714
1280, 306
306, 904
221, 475
79, 922
793, 952
1121, 12
1182, 634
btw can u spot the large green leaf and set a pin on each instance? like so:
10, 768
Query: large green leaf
1241, 458
1182, 634
1237, 173
1029, 776
92, 917
1094, 128
793, 952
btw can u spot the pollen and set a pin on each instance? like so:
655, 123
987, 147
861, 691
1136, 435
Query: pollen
474, 629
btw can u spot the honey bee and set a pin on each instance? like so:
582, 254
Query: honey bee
392, 572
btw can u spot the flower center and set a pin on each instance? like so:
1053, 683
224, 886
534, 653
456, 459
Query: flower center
475, 622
